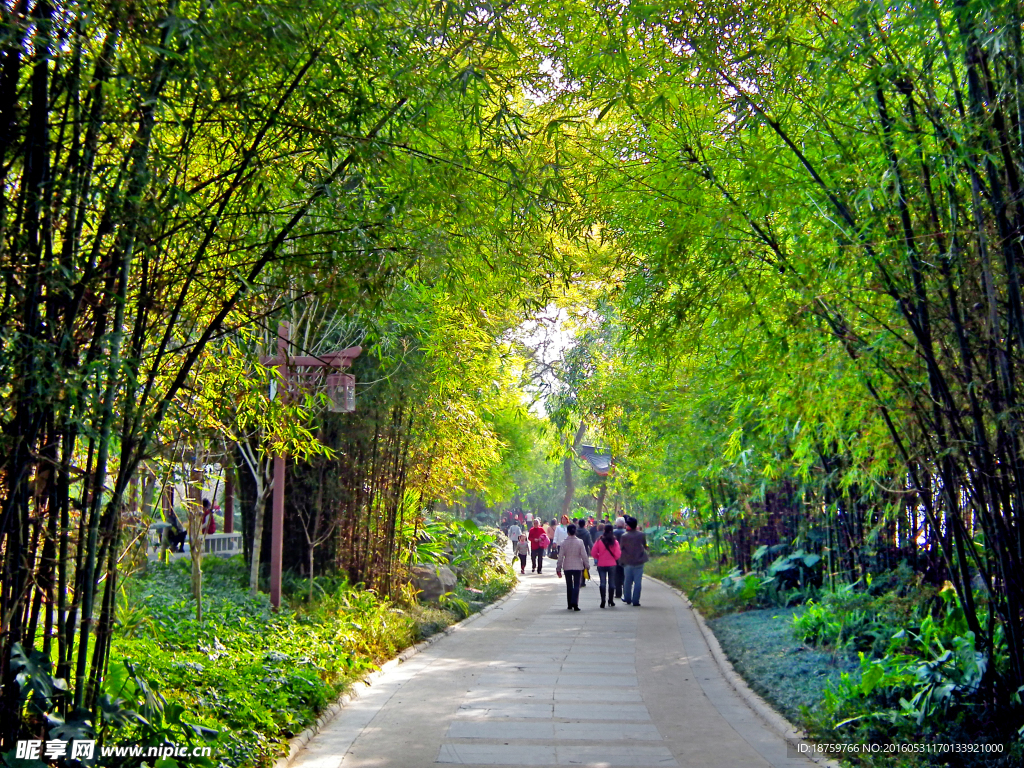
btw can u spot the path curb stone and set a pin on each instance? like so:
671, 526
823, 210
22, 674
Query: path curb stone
297, 743
762, 708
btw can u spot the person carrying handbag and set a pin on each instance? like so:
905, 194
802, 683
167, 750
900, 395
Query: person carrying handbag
522, 550
584, 535
538, 543
572, 560
606, 554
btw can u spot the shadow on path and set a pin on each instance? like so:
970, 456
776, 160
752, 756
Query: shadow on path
532, 684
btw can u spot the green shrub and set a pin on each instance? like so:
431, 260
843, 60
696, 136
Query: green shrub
847, 621
701, 583
789, 571
255, 676
921, 676
477, 554
670, 539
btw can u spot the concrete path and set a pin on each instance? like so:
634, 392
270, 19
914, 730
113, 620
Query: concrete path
532, 684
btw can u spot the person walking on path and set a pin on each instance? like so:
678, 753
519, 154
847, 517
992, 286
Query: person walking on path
513, 532
620, 574
584, 535
634, 555
538, 544
606, 553
572, 560
561, 531
522, 550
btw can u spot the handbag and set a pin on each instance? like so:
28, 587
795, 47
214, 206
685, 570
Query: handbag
586, 574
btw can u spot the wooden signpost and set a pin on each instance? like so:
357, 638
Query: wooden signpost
295, 373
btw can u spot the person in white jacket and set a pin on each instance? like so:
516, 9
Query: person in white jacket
561, 531
513, 532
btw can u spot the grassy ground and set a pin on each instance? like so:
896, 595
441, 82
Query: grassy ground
254, 676
761, 646
759, 643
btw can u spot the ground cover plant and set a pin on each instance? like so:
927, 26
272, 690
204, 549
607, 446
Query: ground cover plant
776, 664
254, 676
887, 661
919, 675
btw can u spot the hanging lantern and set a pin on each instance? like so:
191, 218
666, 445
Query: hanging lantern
340, 389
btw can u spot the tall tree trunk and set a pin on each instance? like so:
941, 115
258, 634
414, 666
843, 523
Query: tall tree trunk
259, 469
570, 482
600, 499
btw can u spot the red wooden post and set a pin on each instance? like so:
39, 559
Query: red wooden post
277, 520
229, 501
277, 533
167, 498
333, 361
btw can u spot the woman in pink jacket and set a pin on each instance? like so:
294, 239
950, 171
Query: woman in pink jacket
606, 554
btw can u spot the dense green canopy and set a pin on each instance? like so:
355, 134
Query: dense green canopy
787, 237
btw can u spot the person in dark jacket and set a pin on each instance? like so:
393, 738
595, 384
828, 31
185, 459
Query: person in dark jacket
634, 554
619, 529
176, 534
584, 535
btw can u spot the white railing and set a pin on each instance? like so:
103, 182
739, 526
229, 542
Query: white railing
224, 544
220, 544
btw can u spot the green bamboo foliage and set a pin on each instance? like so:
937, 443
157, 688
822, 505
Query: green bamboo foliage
821, 206
160, 164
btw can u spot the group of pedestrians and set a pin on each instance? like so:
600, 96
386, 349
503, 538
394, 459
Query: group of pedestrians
533, 543
618, 551
626, 550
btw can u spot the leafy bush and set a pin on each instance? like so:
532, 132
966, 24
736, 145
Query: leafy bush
664, 540
476, 554
921, 675
789, 579
700, 582
846, 621
904, 665
128, 705
452, 602
788, 571
739, 586
259, 675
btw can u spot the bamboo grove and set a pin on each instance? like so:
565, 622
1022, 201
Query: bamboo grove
824, 205
789, 236
173, 174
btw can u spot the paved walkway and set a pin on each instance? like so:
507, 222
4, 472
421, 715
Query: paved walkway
531, 683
